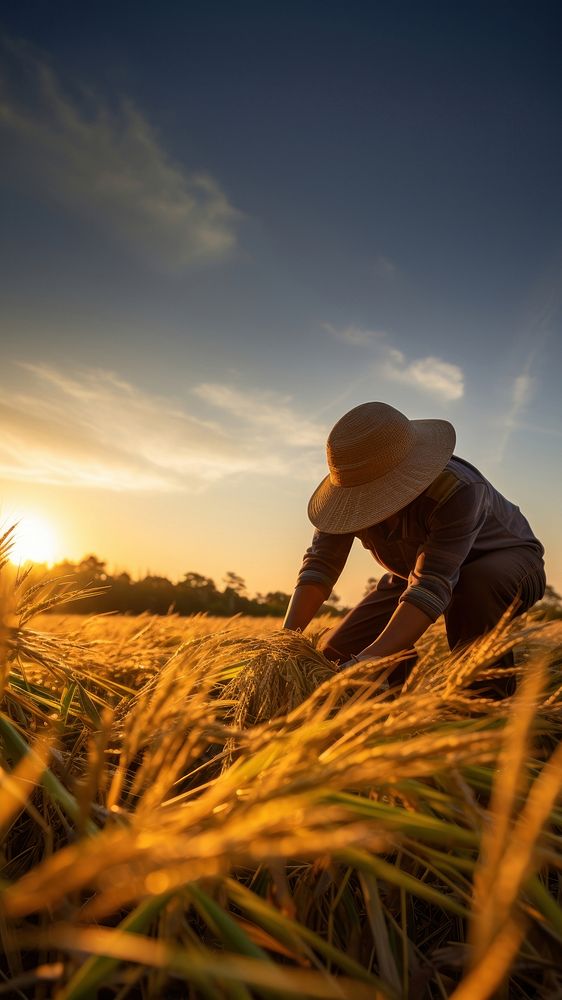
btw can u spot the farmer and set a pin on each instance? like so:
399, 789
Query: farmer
451, 543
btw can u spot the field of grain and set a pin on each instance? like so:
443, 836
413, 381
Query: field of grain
205, 807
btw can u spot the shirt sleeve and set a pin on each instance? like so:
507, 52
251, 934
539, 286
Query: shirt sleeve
453, 527
324, 560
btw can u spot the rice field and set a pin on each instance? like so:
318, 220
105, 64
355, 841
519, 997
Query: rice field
206, 808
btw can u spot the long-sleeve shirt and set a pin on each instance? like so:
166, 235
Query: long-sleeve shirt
458, 518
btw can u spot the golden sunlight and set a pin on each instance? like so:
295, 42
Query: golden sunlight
35, 541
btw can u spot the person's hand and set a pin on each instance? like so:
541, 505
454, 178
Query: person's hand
361, 658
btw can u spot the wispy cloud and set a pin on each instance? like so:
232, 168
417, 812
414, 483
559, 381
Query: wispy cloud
542, 323
92, 428
269, 412
441, 379
109, 165
431, 375
522, 391
355, 336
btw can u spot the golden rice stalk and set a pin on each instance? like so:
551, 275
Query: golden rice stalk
201, 966
281, 674
271, 802
495, 961
17, 787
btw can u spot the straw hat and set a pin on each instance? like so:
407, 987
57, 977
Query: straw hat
379, 462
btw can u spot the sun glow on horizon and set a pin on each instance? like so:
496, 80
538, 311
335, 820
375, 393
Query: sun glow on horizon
34, 541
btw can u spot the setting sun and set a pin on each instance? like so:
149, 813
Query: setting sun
35, 541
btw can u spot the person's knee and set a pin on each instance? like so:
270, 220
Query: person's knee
483, 595
477, 604
329, 648
361, 625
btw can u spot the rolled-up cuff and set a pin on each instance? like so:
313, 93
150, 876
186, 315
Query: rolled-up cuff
316, 578
425, 600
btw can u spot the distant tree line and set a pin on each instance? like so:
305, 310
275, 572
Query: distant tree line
192, 594
159, 595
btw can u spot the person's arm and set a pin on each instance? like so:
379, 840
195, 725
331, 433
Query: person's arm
321, 566
407, 625
305, 602
453, 529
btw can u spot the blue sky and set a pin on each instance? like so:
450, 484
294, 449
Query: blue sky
224, 224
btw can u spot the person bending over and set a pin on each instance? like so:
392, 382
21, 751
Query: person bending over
450, 542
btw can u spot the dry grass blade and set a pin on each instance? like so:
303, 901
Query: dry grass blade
200, 966
490, 971
347, 812
7, 540
20, 750
522, 856
17, 787
491, 909
51, 972
377, 921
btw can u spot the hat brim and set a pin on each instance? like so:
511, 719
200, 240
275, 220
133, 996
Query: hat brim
342, 509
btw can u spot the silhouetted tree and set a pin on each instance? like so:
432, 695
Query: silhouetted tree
235, 583
196, 593
93, 568
275, 601
234, 593
157, 594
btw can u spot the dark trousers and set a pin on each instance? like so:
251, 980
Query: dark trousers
486, 588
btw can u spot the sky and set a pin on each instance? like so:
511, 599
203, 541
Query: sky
224, 224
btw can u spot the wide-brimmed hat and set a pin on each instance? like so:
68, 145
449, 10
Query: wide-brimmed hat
379, 462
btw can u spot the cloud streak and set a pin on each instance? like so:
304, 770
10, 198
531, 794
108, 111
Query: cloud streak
266, 412
355, 336
523, 389
108, 165
431, 375
91, 428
